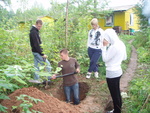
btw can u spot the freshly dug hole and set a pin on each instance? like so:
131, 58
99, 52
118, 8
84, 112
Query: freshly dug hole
83, 88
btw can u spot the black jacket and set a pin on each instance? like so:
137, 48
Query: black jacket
35, 41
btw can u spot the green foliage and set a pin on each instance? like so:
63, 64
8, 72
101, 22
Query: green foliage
2, 96
3, 108
143, 38
143, 54
139, 92
13, 77
143, 21
26, 104
4, 13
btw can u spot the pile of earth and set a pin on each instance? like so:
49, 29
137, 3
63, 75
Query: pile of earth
50, 104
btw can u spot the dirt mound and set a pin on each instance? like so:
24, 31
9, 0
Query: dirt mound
50, 105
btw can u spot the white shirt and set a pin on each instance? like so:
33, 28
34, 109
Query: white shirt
113, 58
93, 42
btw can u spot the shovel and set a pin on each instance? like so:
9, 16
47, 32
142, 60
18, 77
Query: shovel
39, 82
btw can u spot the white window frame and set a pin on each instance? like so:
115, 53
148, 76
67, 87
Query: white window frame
131, 19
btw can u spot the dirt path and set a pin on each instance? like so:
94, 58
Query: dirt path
128, 75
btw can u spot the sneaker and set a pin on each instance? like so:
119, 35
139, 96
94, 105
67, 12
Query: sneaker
110, 111
88, 75
96, 74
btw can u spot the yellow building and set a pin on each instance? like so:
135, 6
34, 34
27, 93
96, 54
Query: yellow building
122, 16
47, 21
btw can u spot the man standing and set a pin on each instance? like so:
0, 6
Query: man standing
70, 82
35, 42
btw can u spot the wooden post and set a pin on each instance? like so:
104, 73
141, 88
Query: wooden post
66, 30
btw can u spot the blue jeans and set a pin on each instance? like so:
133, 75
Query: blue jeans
75, 89
94, 55
38, 59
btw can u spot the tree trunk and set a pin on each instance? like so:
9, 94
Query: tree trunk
66, 30
95, 4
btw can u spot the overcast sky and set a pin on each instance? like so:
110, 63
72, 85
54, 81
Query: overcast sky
46, 3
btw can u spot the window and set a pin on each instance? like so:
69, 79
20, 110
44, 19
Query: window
109, 20
131, 19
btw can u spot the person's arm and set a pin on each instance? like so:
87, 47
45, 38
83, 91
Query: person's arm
108, 54
101, 38
88, 41
125, 53
54, 75
61, 66
36, 43
77, 66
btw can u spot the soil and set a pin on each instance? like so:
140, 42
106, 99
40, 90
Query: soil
50, 105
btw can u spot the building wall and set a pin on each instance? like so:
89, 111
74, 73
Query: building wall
102, 23
119, 19
135, 25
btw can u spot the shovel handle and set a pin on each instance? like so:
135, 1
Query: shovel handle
65, 75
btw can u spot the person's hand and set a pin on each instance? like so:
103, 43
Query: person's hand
53, 77
105, 42
44, 56
78, 70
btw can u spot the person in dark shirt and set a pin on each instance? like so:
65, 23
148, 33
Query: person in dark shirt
70, 82
35, 42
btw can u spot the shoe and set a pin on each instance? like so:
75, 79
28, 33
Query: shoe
110, 111
88, 75
45, 82
96, 74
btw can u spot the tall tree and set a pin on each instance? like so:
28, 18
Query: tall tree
57, 10
6, 2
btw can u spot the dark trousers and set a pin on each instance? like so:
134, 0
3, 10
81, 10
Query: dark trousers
94, 55
114, 88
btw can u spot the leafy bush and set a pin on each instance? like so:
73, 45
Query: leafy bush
143, 54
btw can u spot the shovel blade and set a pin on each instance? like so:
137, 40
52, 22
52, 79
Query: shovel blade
35, 81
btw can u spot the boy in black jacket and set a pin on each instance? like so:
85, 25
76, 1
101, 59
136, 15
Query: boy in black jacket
35, 41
